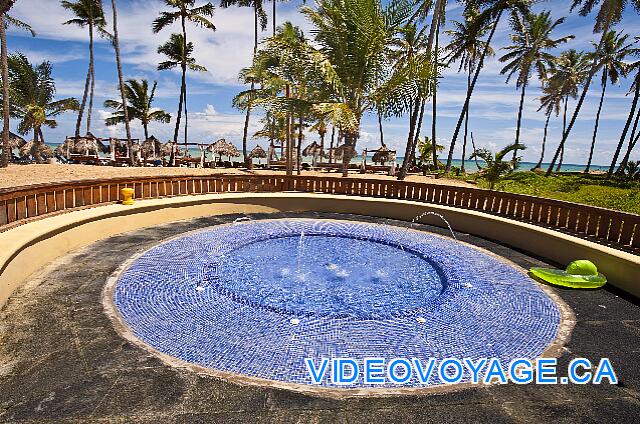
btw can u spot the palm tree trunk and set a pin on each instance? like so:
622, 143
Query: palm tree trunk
145, 126
466, 125
544, 142
381, 130
332, 144
298, 150
465, 107
274, 17
182, 95
245, 133
564, 129
574, 117
85, 94
434, 106
623, 136
632, 143
413, 119
434, 110
6, 150
186, 119
559, 167
125, 110
413, 125
93, 78
287, 93
184, 83
350, 140
595, 128
519, 123
36, 145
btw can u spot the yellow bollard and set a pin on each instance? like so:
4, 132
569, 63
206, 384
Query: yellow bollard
127, 196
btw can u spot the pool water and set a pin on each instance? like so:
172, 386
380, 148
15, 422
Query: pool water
256, 298
330, 276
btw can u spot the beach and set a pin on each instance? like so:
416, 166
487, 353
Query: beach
22, 175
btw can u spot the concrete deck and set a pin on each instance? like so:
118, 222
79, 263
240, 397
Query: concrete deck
62, 361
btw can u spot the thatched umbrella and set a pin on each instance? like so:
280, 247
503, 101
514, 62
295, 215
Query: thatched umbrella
338, 152
61, 149
383, 155
312, 149
15, 141
29, 149
232, 151
258, 153
102, 148
151, 147
223, 148
86, 145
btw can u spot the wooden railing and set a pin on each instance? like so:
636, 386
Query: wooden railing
618, 229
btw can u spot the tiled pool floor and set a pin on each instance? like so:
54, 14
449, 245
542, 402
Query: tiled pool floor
62, 360
257, 298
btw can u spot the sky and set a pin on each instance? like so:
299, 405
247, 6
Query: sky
224, 52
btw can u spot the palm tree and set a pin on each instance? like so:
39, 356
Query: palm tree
568, 72
407, 49
139, 101
635, 87
285, 66
260, 20
426, 153
423, 71
550, 102
635, 134
531, 41
5, 5
32, 92
496, 167
179, 54
184, 12
491, 15
609, 14
116, 47
612, 61
466, 46
437, 64
5, 22
352, 36
89, 14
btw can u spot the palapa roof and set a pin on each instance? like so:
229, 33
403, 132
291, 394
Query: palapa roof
150, 144
312, 149
223, 148
383, 154
165, 150
15, 141
258, 153
86, 143
29, 149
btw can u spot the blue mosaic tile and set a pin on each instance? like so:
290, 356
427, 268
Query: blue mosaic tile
257, 298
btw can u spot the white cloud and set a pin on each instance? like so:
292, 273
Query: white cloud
210, 111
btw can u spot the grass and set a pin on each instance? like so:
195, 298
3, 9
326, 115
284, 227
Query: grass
579, 188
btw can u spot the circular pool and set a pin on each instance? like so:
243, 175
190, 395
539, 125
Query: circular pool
254, 299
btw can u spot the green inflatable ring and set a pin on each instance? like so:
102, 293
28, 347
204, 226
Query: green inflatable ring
580, 274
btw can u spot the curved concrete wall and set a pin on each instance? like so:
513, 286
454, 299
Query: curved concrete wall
28, 248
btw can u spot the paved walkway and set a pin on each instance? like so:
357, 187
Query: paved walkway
62, 361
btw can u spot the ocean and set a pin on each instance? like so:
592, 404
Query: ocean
470, 165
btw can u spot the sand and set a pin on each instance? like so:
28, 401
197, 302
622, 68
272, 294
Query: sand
21, 175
